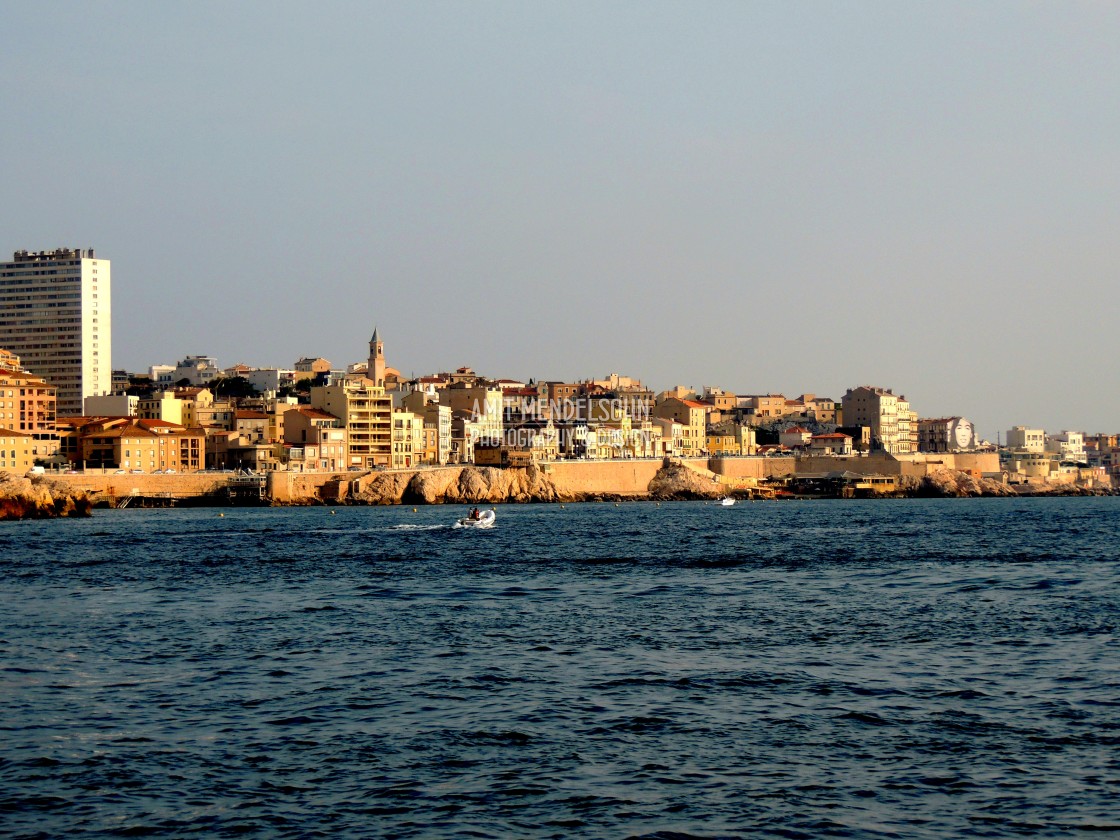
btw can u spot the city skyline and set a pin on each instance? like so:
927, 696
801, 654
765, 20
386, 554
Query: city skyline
770, 198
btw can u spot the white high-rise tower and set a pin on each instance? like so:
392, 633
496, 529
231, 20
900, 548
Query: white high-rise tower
55, 314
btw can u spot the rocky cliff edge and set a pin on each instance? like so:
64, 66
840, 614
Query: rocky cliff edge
490, 485
39, 498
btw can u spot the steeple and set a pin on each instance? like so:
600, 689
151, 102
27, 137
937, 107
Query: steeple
375, 367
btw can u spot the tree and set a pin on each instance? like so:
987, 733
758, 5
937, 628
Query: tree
233, 386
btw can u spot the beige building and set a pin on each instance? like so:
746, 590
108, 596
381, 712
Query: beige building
834, 443
17, 454
763, 406
795, 437
1022, 439
27, 404
308, 367
161, 405
365, 408
482, 403
721, 400
770, 407
252, 425
669, 437
894, 427
946, 434
821, 409
199, 371
436, 436
133, 444
408, 439
1067, 446
233, 450
692, 416
314, 439
56, 315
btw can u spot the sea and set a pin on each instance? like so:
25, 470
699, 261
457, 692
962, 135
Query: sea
796, 669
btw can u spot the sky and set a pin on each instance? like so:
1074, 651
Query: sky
766, 197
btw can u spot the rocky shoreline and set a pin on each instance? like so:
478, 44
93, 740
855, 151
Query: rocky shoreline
46, 497
673, 482
491, 485
40, 498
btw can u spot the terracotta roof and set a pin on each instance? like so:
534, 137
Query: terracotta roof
131, 430
315, 413
158, 424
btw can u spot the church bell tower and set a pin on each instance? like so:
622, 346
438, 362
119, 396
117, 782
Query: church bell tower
375, 368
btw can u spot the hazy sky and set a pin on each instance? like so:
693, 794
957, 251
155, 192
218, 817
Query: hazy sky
763, 196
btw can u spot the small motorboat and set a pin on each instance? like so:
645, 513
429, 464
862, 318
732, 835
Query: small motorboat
484, 520
727, 501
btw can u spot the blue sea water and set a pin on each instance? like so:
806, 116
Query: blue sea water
910, 669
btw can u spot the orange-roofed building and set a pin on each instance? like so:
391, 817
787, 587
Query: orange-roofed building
693, 418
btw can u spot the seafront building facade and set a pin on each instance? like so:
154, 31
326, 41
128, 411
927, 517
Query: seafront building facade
894, 427
56, 315
27, 404
946, 434
16, 455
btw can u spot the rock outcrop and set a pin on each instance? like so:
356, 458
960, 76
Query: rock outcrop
946, 483
490, 485
461, 485
676, 482
39, 498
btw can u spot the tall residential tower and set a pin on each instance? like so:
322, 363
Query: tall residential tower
55, 314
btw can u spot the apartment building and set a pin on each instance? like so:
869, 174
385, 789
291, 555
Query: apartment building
408, 439
55, 314
1022, 439
27, 403
1068, 446
314, 439
893, 426
946, 434
197, 370
16, 455
833, 443
366, 412
309, 368
133, 444
692, 417
436, 437
482, 403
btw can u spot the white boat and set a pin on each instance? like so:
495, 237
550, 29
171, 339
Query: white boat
485, 520
727, 501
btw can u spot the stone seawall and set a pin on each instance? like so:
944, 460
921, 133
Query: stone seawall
111, 486
558, 481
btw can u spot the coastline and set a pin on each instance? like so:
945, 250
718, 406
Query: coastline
669, 480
